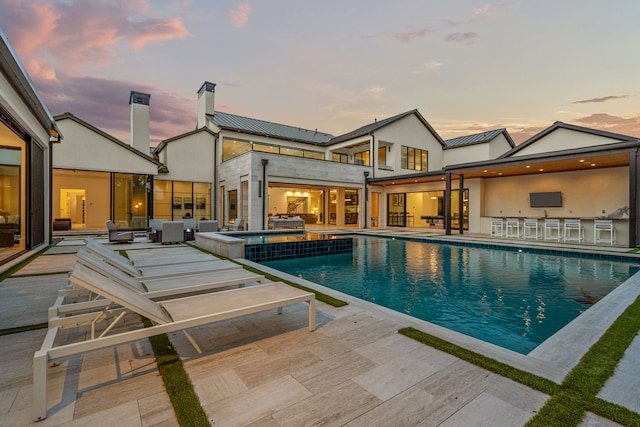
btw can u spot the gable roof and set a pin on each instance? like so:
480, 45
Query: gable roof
372, 127
12, 69
102, 133
562, 125
479, 138
263, 128
164, 142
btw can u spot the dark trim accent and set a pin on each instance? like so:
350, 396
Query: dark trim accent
207, 87
447, 205
461, 204
634, 197
139, 98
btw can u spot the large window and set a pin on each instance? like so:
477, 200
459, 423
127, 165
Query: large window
339, 157
362, 158
382, 157
173, 200
235, 147
129, 200
414, 158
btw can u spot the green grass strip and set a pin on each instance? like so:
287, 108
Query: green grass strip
9, 272
577, 394
19, 329
587, 378
538, 383
183, 397
327, 299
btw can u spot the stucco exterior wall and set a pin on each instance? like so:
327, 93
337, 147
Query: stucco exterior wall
86, 150
464, 154
182, 155
411, 132
563, 139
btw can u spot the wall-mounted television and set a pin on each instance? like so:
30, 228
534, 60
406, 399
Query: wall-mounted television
551, 199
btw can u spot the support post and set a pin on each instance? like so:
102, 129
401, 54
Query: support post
634, 197
264, 193
447, 204
461, 205
366, 198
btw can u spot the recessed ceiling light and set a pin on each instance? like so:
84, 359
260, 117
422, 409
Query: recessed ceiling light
484, 171
540, 169
528, 166
581, 160
415, 180
500, 173
593, 164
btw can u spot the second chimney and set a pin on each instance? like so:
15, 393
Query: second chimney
205, 102
140, 121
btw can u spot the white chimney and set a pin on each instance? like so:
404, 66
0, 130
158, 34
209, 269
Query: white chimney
140, 121
205, 102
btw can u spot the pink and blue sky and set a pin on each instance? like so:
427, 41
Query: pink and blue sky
335, 65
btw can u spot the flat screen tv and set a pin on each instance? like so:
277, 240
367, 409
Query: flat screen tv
552, 199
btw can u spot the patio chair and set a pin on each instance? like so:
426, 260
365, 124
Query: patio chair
164, 267
573, 231
205, 226
237, 225
167, 316
605, 226
118, 236
497, 227
549, 226
155, 225
512, 228
530, 228
172, 232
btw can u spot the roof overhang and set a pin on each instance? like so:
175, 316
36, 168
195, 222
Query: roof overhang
611, 155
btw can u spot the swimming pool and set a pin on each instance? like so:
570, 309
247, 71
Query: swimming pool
514, 299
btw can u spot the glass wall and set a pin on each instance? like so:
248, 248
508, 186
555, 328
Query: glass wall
82, 196
173, 200
426, 209
235, 147
129, 194
12, 183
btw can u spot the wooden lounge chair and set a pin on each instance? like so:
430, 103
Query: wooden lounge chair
164, 269
168, 316
155, 289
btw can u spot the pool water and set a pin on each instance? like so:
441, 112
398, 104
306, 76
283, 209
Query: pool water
509, 298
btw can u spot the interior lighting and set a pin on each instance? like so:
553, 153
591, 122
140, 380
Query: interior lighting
593, 164
485, 171
528, 166
581, 160
540, 169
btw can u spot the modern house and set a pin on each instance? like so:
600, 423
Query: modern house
394, 172
27, 132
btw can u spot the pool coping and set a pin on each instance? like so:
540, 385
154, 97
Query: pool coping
552, 359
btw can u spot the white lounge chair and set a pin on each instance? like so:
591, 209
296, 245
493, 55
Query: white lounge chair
237, 225
153, 289
168, 316
162, 270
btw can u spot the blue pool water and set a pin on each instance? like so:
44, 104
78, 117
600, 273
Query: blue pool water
510, 298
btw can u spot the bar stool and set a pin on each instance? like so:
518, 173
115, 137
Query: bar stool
549, 226
600, 226
530, 224
570, 226
497, 227
513, 224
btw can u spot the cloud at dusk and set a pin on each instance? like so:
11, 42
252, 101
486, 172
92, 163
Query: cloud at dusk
602, 99
465, 38
409, 36
240, 15
616, 124
59, 35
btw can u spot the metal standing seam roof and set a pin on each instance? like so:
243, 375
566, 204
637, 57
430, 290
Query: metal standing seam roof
261, 127
477, 138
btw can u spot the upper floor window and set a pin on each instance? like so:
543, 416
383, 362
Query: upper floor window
339, 157
362, 158
414, 158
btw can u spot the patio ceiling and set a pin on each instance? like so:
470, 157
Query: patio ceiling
525, 166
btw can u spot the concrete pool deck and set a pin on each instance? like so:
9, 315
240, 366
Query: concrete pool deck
268, 370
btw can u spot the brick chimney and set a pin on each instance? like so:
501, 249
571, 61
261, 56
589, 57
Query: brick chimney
205, 102
140, 121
